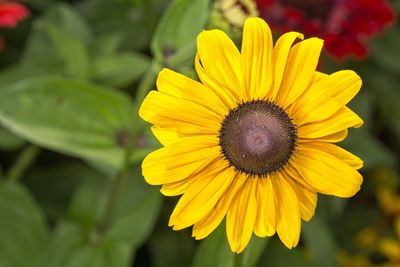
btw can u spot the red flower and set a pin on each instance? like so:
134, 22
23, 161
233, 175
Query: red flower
11, 13
345, 25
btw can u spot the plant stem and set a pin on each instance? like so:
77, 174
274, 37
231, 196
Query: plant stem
238, 260
114, 193
24, 160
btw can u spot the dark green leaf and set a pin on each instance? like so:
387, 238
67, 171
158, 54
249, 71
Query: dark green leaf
214, 250
277, 255
9, 141
177, 29
71, 49
386, 50
320, 241
70, 117
23, 232
120, 70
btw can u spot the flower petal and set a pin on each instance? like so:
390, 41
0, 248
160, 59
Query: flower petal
205, 226
166, 136
201, 196
326, 173
280, 57
180, 86
266, 210
299, 71
241, 216
171, 112
221, 61
289, 220
326, 97
179, 160
334, 126
340, 153
307, 200
256, 53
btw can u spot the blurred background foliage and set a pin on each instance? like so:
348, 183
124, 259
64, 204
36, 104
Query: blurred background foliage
72, 76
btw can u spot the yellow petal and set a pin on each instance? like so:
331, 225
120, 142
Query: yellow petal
307, 200
266, 211
179, 160
166, 136
171, 112
180, 86
280, 57
241, 216
204, 227
201, 196
176, 188
225, 94
336, 124
257, 58
221, 61
289, 221
300, 69
326, 173
340, 153
326, 97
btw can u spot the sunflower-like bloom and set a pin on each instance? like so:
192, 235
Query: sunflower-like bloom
253, 140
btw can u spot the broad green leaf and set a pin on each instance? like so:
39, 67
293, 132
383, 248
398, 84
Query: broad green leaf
277, 255
177, 29
253, 252
70, 117
23, 232
170, 248
320, 241
214, 250
9, 141
120, 70
71, 49
79, 242
73, 246
67, 17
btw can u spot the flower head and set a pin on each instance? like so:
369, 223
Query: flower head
345, 26
252, 141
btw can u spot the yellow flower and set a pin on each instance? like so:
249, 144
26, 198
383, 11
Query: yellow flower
253, 139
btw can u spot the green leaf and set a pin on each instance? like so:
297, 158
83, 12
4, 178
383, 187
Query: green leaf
71, 49
320, 241
214, 250
120, 70
23, 232
177, 30
79, 242
72, 246
74, 118
9, 141
277, 255
253, 252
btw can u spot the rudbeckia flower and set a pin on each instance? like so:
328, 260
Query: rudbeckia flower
253, 141
346, 26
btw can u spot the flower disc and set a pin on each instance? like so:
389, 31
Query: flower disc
257, 137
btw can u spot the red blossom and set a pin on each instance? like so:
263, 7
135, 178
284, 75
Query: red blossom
11, 13
346, 26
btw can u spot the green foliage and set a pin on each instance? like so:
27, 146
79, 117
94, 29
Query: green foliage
23, 231
72, 117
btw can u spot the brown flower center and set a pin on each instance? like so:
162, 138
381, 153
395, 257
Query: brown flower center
257, 137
